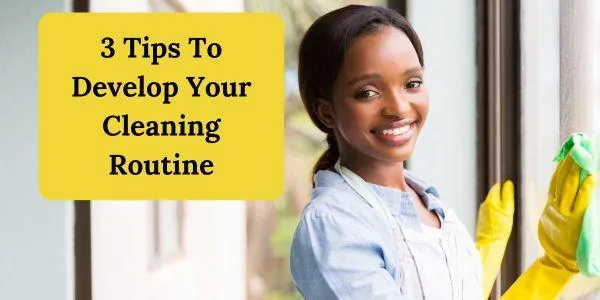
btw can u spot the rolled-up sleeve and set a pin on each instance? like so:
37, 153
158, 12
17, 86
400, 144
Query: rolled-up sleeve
336, 256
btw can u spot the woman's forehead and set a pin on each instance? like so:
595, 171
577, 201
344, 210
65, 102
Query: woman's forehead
387, 48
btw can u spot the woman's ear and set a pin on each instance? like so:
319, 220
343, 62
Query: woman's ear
324, 110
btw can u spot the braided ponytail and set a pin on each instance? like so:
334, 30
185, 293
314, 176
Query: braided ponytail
330, 156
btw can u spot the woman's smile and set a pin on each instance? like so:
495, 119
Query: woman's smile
396, 133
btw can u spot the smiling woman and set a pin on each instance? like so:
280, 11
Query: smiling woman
362, 83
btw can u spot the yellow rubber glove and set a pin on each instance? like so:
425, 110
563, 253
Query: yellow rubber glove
559, 229
494, 225
542, 280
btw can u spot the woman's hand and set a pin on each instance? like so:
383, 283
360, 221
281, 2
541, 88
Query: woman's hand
560, 224
559, 229
494, 225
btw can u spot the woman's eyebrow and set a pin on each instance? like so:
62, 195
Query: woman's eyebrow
362, 78
414, 70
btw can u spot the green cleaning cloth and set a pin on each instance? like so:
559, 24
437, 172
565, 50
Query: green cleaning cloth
580, 147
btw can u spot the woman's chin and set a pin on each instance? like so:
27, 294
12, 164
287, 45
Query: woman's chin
395, 155
401, 153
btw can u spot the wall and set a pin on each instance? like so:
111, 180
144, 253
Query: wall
36, 260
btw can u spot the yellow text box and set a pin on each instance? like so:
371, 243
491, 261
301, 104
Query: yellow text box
161, 106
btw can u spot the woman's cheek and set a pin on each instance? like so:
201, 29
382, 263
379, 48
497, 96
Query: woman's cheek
354, 127
422, 107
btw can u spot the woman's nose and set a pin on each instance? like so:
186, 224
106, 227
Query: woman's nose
396, 104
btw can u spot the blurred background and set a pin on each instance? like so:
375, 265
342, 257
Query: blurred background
508, 81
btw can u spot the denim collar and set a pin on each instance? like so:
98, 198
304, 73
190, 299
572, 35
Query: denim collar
398, 202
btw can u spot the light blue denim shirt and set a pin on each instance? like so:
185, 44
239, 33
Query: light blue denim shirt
343, 249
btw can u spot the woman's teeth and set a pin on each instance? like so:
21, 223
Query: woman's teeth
397, 131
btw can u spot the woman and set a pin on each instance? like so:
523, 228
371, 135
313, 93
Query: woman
373, 230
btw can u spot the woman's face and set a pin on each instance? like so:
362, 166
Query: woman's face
379, 100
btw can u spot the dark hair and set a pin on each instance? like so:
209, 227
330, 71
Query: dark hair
322, 53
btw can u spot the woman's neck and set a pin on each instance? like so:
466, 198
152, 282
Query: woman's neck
389, 174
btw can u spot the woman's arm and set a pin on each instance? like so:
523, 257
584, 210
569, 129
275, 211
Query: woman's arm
339, 257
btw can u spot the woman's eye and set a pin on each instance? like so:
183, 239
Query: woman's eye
365, 94
414, 84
